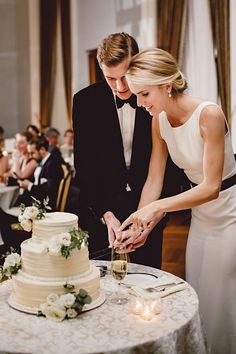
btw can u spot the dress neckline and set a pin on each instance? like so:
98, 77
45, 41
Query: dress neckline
206, 103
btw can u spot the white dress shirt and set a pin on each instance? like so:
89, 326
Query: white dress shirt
126, 116
37, 173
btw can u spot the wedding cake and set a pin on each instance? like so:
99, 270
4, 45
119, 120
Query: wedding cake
50, 264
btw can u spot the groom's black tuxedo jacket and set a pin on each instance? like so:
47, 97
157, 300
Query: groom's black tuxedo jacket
99, 156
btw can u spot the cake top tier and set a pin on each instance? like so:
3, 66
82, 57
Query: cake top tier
54, 224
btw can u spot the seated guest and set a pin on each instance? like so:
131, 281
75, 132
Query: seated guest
33, 130
52, 135
67, 149
23, 165
4, 159
47, 175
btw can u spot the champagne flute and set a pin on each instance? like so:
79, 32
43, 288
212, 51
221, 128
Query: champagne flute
119, 270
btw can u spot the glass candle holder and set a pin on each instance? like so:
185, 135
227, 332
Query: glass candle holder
136, 305
155, 305
148, 312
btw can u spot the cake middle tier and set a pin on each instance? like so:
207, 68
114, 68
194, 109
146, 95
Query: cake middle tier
37, 261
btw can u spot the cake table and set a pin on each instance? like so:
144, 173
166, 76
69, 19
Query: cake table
107, 329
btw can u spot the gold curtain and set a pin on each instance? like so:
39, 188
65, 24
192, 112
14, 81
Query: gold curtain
220, 20
66, 54
171, 26
48, 31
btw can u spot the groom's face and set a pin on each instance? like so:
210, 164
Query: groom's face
115, 77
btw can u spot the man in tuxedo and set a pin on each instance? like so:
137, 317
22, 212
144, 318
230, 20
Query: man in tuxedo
47, 175
112, 148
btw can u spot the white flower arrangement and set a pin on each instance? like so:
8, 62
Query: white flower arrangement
11, 265
58, 308
29, 214
64, 243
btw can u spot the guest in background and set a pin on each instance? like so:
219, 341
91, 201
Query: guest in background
33, 130
23, 165
4, 159
1, 137
112, 148
67, 149
52, 136
47, 175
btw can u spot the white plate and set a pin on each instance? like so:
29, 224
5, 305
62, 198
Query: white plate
141, 280
148, 281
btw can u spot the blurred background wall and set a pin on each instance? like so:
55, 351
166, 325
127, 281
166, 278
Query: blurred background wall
90, 22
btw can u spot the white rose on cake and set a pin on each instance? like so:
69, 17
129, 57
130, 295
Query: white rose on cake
26, 225
66, 300
71, 313
52, 298
54, 312
11, 260
65, 239
30, 212
54, 246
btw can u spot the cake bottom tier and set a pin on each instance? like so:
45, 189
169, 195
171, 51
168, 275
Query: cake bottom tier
30, 292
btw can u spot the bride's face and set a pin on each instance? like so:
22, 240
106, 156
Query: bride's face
152, 98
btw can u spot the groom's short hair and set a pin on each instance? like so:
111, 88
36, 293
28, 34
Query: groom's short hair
115, 48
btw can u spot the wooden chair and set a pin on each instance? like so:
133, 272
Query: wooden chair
63, 189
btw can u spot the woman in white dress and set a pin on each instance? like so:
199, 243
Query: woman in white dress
196, 135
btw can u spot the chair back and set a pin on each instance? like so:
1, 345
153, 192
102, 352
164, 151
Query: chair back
63, 189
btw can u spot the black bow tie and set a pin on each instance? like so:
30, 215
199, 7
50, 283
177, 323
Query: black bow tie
132, 101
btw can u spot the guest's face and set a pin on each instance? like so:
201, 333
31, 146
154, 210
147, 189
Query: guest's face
115, 77
153, 98
34, 153
21, 143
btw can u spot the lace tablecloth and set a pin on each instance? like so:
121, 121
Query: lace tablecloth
7, 195
107, 329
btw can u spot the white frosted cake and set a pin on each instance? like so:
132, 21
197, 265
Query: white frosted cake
44, 270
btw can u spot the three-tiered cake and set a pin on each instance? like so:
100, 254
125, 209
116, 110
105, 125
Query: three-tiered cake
45, 270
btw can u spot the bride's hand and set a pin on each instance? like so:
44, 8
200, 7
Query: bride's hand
143, 217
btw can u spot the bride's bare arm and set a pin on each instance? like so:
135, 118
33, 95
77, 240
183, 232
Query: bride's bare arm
212, 128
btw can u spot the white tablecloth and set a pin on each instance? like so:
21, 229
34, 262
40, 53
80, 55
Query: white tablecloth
7, 196
107, 329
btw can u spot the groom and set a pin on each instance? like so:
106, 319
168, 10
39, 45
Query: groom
112, 147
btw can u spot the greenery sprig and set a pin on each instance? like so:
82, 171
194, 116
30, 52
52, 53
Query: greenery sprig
78, 237
64, 243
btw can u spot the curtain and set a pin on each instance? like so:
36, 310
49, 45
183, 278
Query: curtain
220, 20
48, 30
199, 60
171, 26
66, 54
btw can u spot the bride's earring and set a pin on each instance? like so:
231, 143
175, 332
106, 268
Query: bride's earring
169, 94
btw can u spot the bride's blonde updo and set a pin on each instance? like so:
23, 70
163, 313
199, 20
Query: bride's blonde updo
156, 67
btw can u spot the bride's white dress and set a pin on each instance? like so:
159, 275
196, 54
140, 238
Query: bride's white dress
211, 246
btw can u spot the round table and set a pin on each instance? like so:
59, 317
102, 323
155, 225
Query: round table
109, 328
7, 195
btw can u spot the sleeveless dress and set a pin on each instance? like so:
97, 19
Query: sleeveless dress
211, 246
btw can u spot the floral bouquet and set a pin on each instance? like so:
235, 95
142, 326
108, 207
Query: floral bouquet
58, 308
64, 243
11, 265
36, 211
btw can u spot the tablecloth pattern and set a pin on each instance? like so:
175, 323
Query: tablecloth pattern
107, 329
